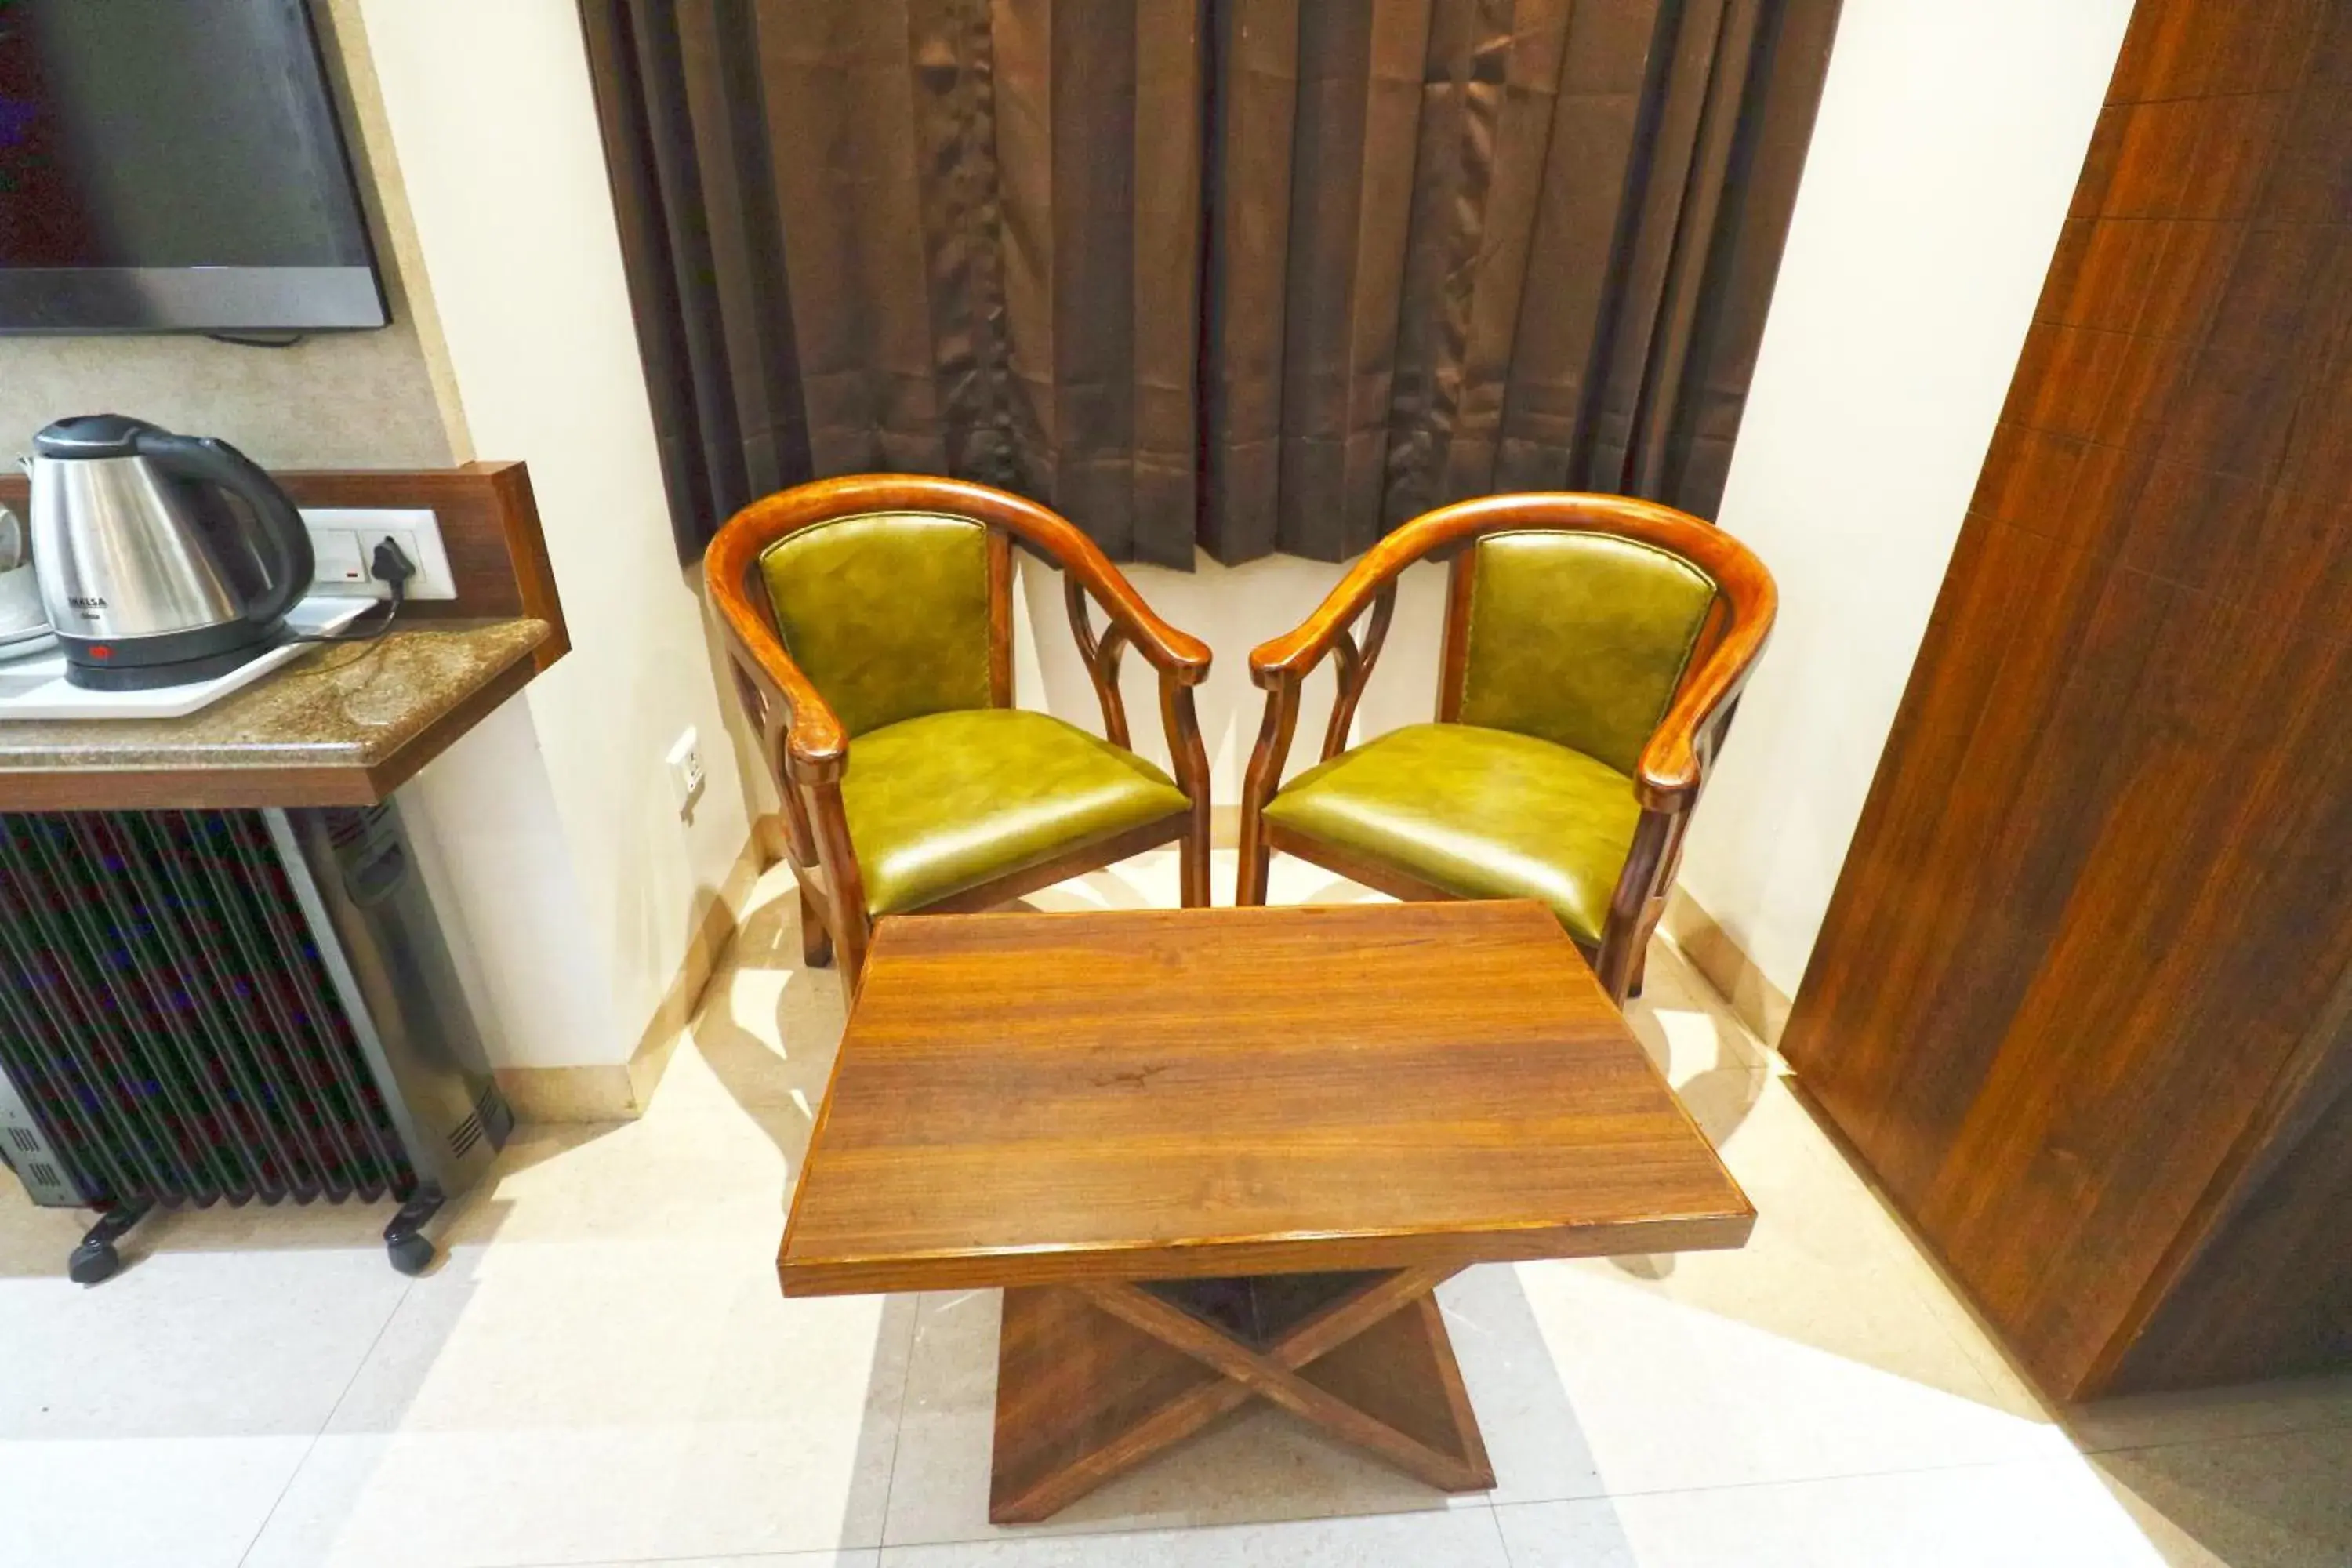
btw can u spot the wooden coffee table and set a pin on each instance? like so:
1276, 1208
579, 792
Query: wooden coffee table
1219, 1155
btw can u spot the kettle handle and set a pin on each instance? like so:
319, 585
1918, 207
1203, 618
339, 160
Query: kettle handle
285, 543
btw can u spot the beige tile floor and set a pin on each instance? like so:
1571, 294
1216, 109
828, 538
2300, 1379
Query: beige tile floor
601, 1371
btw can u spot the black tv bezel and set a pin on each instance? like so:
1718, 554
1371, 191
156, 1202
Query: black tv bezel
99, 301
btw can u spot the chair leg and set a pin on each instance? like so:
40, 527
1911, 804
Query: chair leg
1652, 917
1624, 954
816, 942
1249, 881
1192, 853
849, 946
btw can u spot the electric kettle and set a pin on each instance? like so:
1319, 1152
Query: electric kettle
161, 558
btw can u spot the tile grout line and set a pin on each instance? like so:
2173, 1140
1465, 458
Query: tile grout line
2329, 1424
1502, 1542
813, 1554
1120, 1531
407, 1285
1943, 1469
897, 1428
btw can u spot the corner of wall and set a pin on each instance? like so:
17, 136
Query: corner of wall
1717, 955
387, 201
621, 1091
510, 215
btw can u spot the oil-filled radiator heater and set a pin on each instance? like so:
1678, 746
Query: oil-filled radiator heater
227, 1007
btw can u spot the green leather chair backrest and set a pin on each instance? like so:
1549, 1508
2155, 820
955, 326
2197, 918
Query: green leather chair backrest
1578, 639
886, 613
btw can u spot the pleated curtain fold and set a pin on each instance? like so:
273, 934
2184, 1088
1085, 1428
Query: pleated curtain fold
1245, 275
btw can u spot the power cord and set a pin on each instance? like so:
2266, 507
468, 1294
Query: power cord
386, 564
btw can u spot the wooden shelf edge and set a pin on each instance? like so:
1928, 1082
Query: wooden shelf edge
281, 785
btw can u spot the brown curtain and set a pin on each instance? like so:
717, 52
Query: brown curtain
1262, 275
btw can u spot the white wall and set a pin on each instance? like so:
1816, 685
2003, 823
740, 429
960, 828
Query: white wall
1947, 150
490, 843
490, 110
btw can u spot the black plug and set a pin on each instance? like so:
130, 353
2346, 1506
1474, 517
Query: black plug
387, 563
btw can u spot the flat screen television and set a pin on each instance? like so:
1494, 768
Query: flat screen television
174, 165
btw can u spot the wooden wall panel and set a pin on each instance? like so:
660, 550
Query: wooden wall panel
2098, 896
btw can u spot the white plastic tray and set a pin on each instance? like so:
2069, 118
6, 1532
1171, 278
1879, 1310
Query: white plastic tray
34, 687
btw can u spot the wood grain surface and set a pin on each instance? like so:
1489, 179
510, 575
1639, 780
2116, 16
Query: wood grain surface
2076, 994
1064, 1099
1092, 1380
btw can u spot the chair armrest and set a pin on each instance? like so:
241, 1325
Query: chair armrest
1675, 760
1296, 652
814, 744
1173, 653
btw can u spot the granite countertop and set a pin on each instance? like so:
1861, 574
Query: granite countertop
337, 714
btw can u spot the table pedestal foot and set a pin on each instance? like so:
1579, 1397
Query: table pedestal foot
1093, 1379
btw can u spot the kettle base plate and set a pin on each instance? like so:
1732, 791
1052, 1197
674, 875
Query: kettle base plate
96, 676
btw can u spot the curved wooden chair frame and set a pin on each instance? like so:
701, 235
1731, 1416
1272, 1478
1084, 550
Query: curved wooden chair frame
806, 748
1673, 764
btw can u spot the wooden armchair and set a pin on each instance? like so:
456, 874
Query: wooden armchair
1595, 649
877, 610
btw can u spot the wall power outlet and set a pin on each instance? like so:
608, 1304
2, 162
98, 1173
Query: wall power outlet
686, 774
343, 538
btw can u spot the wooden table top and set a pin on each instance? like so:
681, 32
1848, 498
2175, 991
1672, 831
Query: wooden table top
1025, 1100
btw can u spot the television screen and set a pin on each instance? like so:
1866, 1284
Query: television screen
174, 165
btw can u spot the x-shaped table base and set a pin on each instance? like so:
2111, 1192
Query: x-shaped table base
1093, 1379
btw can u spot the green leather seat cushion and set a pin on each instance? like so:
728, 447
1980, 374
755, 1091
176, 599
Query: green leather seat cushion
947, 801
1484, 814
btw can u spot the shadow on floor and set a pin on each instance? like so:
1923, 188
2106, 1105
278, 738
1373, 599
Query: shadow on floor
2280, 1501
780, 1085
930, 1409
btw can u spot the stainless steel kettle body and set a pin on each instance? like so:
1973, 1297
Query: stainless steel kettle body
148, 574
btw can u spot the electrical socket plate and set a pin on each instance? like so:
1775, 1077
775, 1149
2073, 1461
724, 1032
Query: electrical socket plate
686, 774
343, 538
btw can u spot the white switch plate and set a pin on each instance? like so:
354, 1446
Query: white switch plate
343, 538
686, 774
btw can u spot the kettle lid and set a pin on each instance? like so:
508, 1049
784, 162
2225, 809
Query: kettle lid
92, 436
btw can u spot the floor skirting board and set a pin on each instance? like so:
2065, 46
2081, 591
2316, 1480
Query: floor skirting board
1712, 951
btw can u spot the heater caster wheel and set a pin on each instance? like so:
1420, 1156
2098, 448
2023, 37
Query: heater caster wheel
405, 1239
95, 1258
93, 1261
